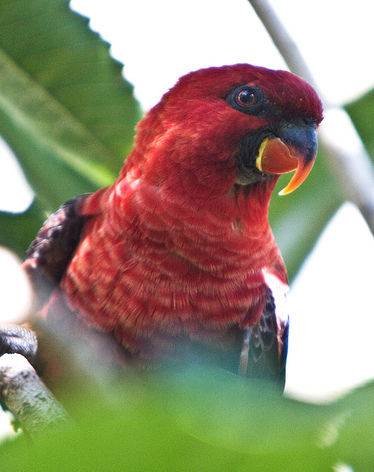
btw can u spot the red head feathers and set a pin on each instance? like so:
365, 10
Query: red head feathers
206, 132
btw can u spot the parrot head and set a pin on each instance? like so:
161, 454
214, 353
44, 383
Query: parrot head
232, 125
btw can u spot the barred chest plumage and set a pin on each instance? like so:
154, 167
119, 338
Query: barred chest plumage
151, 276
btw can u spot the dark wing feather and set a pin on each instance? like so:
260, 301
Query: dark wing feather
267, 345
51, 251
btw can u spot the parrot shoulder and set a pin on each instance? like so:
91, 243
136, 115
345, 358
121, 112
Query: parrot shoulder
50, 252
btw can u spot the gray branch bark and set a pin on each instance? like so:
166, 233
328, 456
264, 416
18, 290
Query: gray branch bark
347, 156
26, 396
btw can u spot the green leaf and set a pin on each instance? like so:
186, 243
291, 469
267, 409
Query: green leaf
355, 441
201, 419
229, 411
17, 231
64, 107
191, 420
362, 113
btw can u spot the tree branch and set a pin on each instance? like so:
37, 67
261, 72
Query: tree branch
26, 396
339, 139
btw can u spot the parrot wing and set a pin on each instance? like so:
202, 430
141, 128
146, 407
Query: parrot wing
51, 251
264, 350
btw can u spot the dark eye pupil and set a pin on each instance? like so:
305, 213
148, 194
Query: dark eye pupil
246, 97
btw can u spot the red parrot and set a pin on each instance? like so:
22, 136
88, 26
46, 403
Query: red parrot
179, 251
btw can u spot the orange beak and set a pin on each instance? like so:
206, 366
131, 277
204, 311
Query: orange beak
294, 149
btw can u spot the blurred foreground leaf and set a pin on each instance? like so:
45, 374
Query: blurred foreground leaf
199, 419
355, 441
203, 420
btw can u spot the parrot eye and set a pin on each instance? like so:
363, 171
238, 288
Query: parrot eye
246, 99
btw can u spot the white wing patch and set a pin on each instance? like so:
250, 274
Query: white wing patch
279, 291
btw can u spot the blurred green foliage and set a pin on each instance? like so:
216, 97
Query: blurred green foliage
203, 420
69, 116
362, 114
